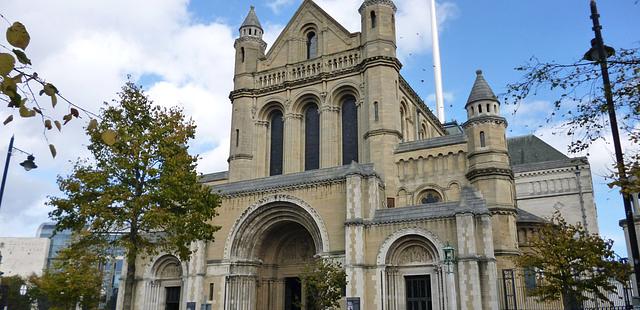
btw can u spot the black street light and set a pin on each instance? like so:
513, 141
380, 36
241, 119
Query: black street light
28, 165
599, 53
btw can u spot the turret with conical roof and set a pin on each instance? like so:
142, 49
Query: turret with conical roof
482, 101
251, 25
489, 170
250, 48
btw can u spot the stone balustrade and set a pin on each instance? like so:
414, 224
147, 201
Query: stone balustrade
308, 69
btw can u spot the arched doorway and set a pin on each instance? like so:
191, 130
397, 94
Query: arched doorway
413, 273
163, 290
270, 247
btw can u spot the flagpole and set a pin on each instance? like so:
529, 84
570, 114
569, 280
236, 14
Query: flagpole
437, 68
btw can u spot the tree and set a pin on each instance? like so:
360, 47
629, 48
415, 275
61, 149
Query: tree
140, 186
572, 263
579, 100
324, 283
74, 279
10, 293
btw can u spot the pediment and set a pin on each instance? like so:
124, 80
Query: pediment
289, 47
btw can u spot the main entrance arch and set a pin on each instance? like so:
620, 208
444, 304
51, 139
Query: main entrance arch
268, 248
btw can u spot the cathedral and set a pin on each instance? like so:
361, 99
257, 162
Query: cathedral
334, 156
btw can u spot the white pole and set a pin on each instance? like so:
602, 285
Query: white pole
437, 68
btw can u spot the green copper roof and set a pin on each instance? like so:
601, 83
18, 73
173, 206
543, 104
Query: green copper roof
481, 90
252, 19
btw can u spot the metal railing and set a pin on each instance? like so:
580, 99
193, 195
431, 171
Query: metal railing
513, 294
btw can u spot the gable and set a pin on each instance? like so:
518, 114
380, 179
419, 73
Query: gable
290, 46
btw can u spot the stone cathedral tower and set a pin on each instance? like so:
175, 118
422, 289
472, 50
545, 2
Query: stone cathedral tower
334, 156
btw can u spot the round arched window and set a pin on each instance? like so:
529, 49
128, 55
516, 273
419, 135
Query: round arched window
430, 196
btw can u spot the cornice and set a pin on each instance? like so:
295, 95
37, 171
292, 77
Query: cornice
388, 3
240, 156
492, 119
263, 45
380, 132
476, 173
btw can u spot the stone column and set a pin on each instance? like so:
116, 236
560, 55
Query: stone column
354, 236
195, 278
330, 130
261, 151
450, 287
488, 268
292, 143
242, 292
468, 271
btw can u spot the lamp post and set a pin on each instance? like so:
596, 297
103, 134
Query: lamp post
599, 53
28, 165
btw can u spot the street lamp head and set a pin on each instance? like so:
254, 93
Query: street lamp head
23, 289
449, 254
593, 55
29, 164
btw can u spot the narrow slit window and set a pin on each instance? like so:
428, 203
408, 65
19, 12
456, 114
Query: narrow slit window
479, 108
374, 20
237, 137
210, 291
488, 108
482, 139
376, 115
242, 54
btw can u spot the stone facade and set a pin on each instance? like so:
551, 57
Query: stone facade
23, 256
334, 156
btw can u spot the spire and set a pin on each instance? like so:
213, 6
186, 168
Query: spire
481, 90
251, 20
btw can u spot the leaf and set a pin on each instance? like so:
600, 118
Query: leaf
75, 112
8, 120
22, 57
7, 62
93, 124
52, 148
47, 124
54, 100
18, 36
109, 137
26, 112
49, 89
58, 125
67, 118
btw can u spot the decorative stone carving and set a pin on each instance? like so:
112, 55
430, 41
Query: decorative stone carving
170, 271
414, 254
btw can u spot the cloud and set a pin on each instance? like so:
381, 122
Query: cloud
276, 5
87, 48
412, 21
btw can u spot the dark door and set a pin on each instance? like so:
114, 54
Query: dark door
418, 290
292, 294
172, 301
